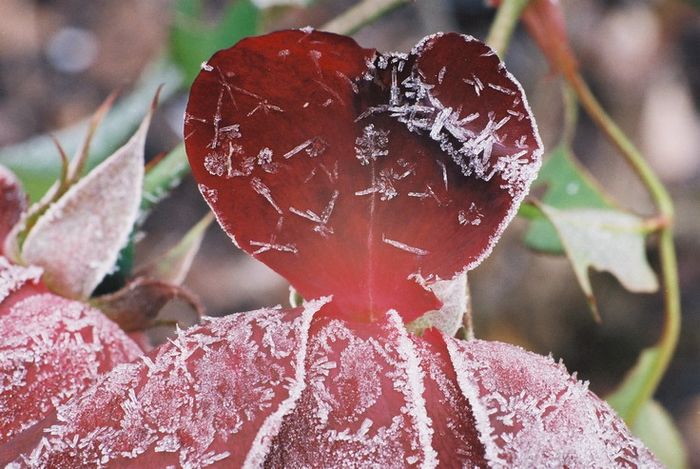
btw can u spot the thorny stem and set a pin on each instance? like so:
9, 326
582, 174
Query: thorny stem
360, 15
504, 24
669, 267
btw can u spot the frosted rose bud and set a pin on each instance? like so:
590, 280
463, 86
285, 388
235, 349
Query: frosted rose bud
295, 388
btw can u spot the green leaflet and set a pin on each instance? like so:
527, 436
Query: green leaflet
162, 176
193, 40
655, 427
646, 418
604, 240
568, 186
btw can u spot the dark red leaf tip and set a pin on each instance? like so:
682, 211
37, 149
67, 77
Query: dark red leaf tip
362, 175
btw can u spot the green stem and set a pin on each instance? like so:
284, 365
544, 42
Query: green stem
633, 156
664, 349
504, 24
360, 15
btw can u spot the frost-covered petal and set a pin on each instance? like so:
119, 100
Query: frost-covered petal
531, 413
363, 403
297, 388
17, 282
363, 175
212, 394
50, 349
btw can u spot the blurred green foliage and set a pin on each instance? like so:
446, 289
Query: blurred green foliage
193, 39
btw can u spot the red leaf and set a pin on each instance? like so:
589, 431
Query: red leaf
295, 388
358, 174
136, 306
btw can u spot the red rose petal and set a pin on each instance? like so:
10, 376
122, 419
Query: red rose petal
211, 394
51, 348
357, 174
296, 388
363, 403
456, 438
532, 413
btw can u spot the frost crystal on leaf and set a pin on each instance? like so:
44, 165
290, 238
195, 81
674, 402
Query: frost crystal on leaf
372, 144
405, 247
321, 220
218, 164
91, 222
260, 187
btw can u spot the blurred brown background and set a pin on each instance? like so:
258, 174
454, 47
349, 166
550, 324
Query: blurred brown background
60, 59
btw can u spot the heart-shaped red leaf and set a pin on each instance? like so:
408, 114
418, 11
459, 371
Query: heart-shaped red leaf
358, 174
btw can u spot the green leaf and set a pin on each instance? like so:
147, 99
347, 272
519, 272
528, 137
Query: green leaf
652, 424
625, 399
162, 176
655, 427
569, 185
193, 40
605, 240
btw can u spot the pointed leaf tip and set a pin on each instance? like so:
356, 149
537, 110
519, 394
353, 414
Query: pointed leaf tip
422, 165
77, 165
78, 238
174, 264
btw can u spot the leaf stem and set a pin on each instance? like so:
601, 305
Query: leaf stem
504, 24
468, 318
669, 269
360, 15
